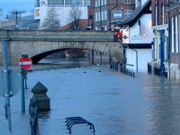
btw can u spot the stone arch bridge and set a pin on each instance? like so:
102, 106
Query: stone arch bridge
39, 44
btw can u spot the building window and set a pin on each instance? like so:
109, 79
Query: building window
99, 17
37, 4
105, 2
68, 2
127, 13
105, 15
102, 15
102, 2
128, 1
96, 3
95, 16
172, 35
156, 16
56, 2
117, 14
176, 34
38, 12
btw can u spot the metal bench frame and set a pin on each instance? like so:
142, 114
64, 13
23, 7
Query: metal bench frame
70, 121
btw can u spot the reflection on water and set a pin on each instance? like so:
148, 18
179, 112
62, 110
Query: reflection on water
116, 104
164, 112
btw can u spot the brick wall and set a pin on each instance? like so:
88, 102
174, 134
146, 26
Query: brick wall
160, 4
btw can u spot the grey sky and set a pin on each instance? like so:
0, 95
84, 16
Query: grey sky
9, 5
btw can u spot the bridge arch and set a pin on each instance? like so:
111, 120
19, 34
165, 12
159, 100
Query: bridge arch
38, 49
37, 42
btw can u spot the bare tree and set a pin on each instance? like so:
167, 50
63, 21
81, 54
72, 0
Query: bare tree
51, 21
75, 14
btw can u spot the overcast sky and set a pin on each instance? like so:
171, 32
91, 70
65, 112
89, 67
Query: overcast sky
9, 5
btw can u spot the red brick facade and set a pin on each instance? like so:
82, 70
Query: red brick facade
159, 7
108, 9
175, 56
166, 15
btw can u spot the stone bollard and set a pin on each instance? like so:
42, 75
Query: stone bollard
39, 95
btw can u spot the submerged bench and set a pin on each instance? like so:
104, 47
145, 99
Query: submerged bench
70, 121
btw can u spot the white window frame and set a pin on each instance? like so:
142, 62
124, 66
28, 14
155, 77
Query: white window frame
127, 13
176, 34
128, 1
96, 3
172, 35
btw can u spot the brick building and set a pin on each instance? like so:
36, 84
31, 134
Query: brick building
166, 21
160, 39
174, 32
110, 12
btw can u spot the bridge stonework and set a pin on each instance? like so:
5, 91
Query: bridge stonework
37, 46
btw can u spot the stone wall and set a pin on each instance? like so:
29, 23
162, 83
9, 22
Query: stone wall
33, 48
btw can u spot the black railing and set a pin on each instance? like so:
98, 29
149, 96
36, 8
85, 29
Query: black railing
120, 67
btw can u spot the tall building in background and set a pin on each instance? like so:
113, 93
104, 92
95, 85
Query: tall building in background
63, 8
108, 13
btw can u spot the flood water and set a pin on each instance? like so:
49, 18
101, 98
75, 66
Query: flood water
115, 103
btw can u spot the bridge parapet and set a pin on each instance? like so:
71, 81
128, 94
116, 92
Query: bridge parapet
39, 44
56, 36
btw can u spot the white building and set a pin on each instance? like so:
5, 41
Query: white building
6, 24
63, 8
138, 37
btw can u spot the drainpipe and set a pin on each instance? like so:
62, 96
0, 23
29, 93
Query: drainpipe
136, 58
110, 13
162, 66
169, 34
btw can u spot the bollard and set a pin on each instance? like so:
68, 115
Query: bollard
39, 95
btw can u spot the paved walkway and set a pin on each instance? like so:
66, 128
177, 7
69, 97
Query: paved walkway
4, 128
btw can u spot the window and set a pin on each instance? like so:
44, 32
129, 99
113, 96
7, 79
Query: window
55, 2
102, 15
96, 17
37, 4
38, 12
172, 35
117, 14
128, 1
99, 16
102, 2
175, 35
105, 15
127, 13
96, 3
105, 2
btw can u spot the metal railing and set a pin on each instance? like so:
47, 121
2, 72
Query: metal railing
70, 121
120, 67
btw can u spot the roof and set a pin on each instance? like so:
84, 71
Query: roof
83, 23
139, 45
137, 13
